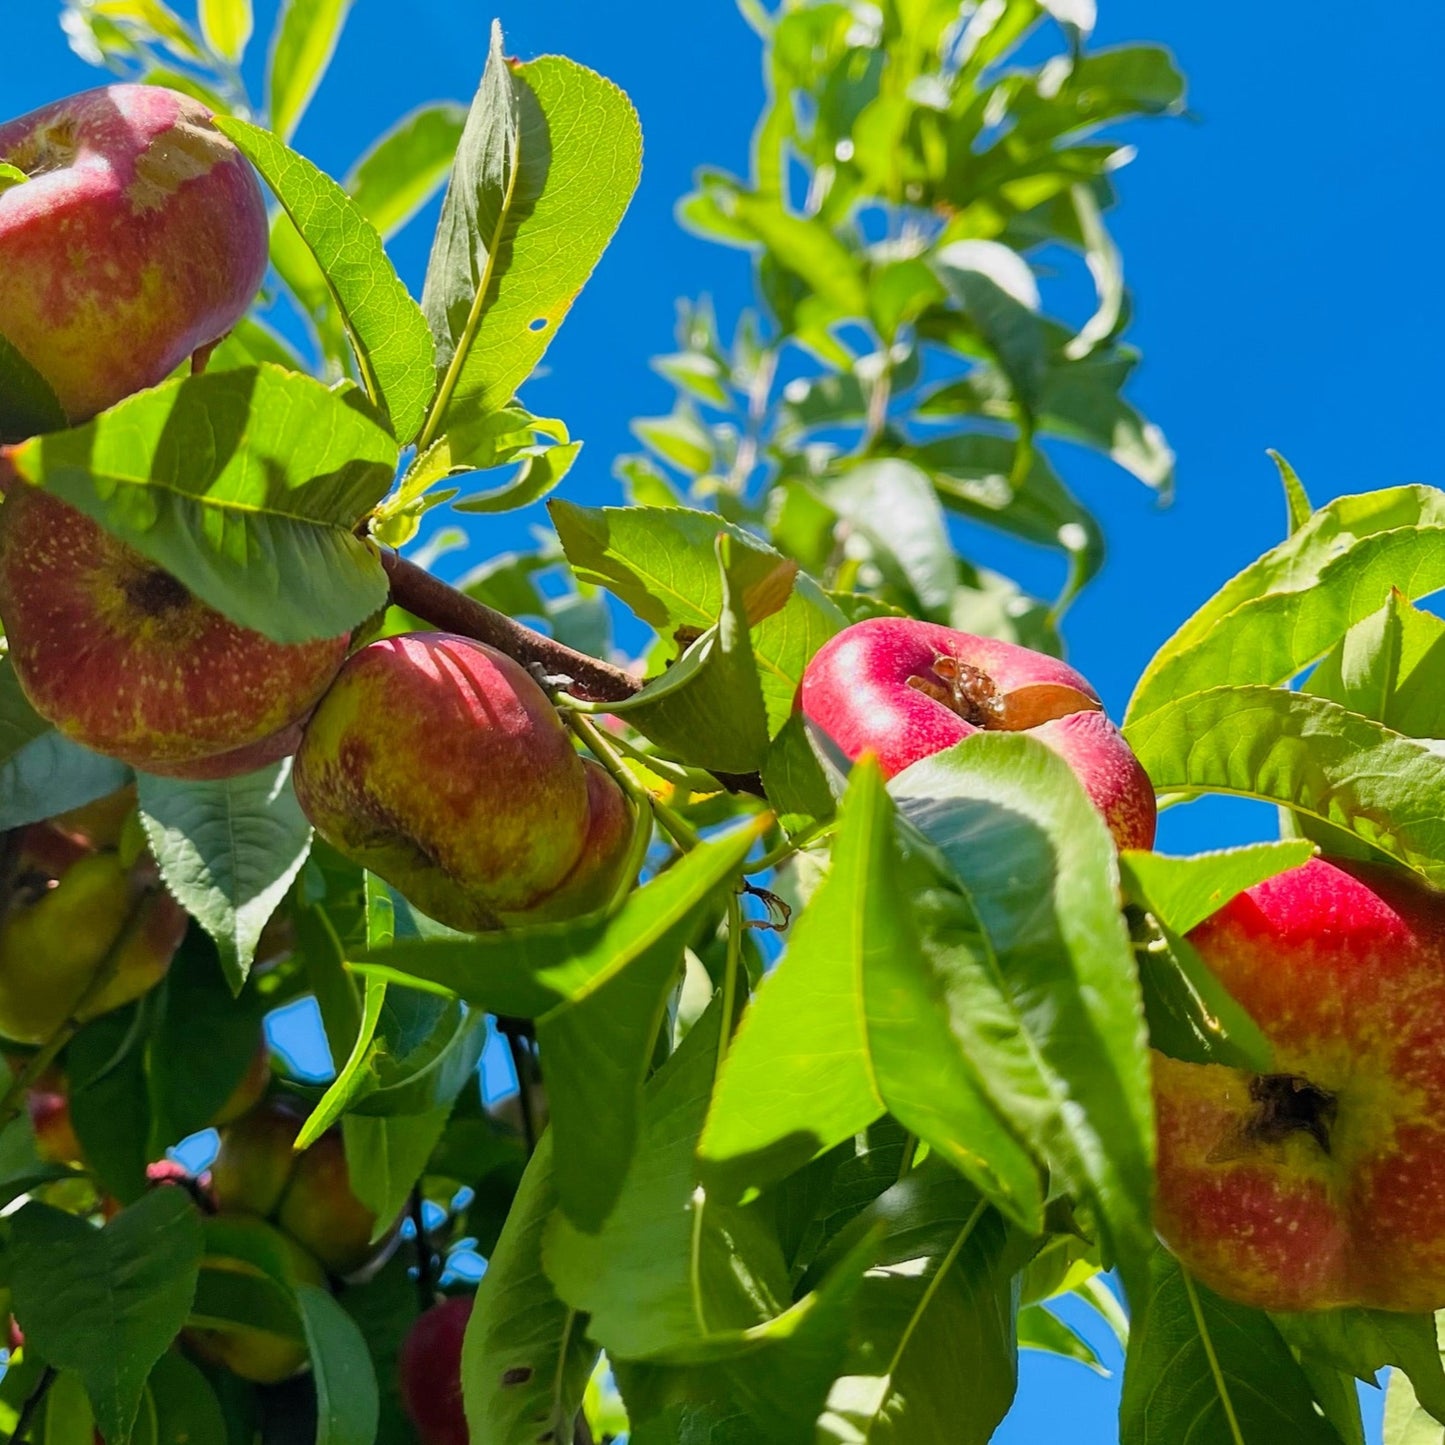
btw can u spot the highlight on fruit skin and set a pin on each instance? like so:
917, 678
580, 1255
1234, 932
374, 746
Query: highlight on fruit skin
904, 690
120, 656
139, 239
440, 764
1320, 1183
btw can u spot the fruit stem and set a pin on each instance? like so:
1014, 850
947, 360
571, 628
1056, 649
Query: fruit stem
730, 981
32, 1404
522, 1067
677, 827
14, 1098
425, 1291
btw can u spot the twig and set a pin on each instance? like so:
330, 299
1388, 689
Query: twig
425, 1287
439, 603
32, 1404
521, 1066
582, 1431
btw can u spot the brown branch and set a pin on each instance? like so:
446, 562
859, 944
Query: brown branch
443, 606
440, 604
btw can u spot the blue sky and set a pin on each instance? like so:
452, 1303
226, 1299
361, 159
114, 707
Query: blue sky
1278, 244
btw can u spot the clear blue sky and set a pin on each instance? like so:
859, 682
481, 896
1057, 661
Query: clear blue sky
1278, 247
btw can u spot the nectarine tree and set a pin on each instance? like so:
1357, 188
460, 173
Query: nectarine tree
854, 1020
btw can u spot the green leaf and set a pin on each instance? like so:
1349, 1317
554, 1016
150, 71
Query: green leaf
794, 780
301, 48
246, 485
1296, 499
661, 562
707, 709
876, 1037
226, 26
186, 1408
201, 1046
1051, 1014
50, 775
526, 1357
11, 176
346, 1395
387, 330
770, 1382
893, 503
1361, 1342
386, 1156
997, 291
1182, 892
1202, 1369
110, 1101
597, 990
933, 1354
973, 473
671, 1269
228, 851
19, 722
1039, 1328
514, 247
107, 1302
541, 473
28, 404
1407, 1422
1310, 754
1287, 609
403, 168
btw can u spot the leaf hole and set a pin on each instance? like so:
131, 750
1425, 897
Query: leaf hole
538, 323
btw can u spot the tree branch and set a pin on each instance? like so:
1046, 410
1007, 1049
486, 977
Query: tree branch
442, 605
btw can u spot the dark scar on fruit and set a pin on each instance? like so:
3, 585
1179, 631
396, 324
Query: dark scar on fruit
962, 689
1284, 1104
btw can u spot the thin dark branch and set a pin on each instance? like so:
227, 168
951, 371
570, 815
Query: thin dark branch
32, 1404
440, 604
522, 1064
425, 1285
443, 606
582, 1431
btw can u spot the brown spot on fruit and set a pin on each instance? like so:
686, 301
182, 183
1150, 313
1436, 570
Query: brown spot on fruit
184, 153
155, 592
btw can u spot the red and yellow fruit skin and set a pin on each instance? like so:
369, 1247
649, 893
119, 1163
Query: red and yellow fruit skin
307, 1195
1342, 966
860, 690
139, 238
52, 946
119, 656
439, 764
597, 873
429, 1370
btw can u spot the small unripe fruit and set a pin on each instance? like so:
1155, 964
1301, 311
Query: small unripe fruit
308, 1195
430, 1370
58, 934
256, 1354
